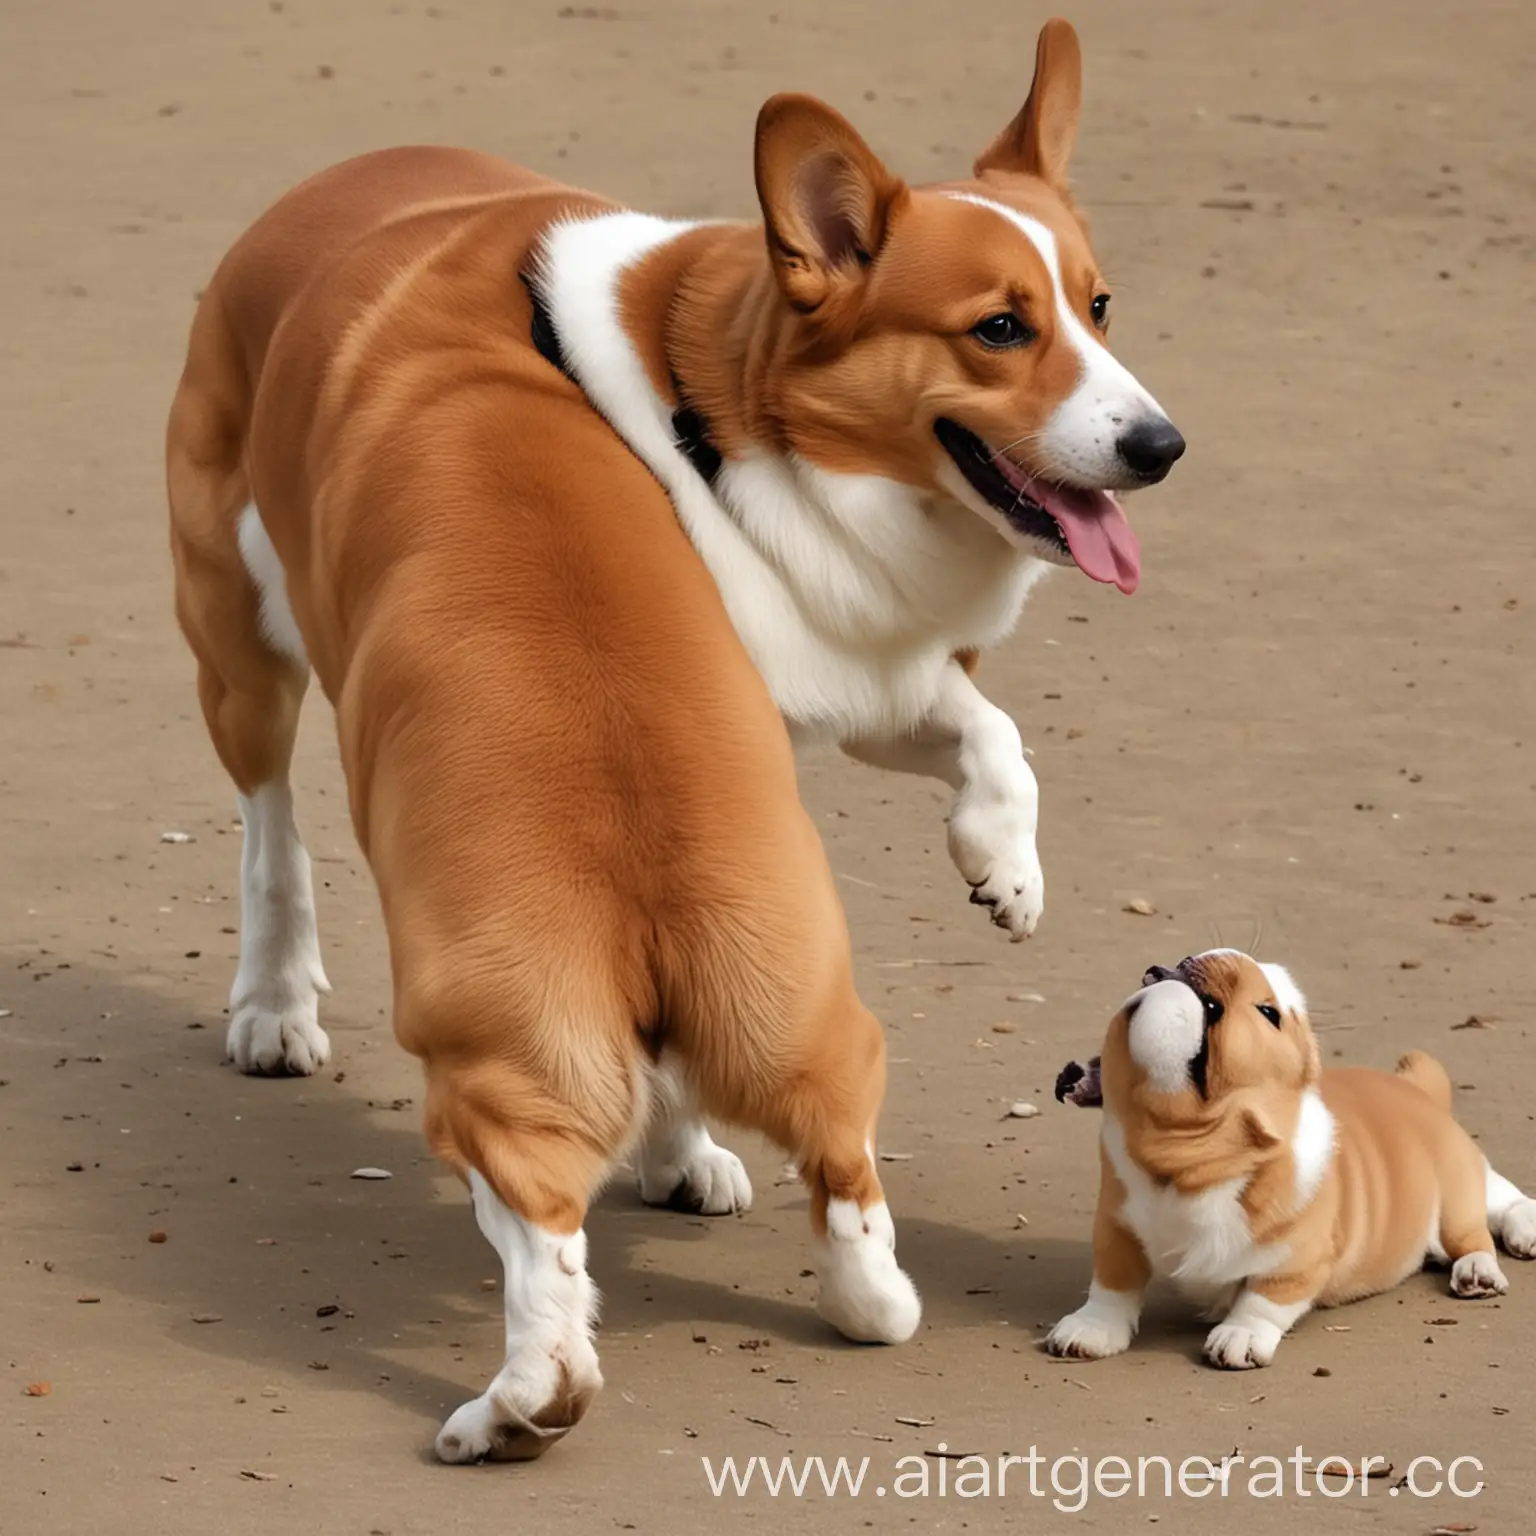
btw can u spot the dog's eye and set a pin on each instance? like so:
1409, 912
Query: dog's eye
1271, 1013
1003, 331
1099, 309
1214, 1009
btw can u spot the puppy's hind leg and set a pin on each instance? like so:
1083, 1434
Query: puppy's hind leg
1511, 1214
1466, 1235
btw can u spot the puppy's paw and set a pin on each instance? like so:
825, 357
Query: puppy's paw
1238, 1347
992, 841
1089, 1334
1518, 1229
1477, 1274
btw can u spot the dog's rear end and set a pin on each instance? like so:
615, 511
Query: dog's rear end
606, 906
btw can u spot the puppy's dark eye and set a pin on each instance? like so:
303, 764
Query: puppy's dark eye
1214, 1009
1271, 1013
1003, 331
1099, 309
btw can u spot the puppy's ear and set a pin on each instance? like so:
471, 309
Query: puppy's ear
827, 203
1257, 1128
1038, 142
1312, 1065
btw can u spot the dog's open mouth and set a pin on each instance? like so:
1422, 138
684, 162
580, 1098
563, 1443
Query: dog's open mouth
1086, 526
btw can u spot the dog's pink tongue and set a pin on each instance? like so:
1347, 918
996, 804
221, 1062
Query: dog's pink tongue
1103, 543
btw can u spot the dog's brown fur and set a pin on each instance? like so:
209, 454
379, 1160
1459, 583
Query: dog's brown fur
576, 796
579, 805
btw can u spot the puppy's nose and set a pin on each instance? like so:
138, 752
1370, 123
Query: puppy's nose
1151, 448
1156, 973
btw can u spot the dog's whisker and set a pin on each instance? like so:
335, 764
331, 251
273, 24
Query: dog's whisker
1028, 437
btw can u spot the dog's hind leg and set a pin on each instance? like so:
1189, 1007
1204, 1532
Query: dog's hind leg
1466, 1237
1511, 1214
251, 679
819, 1097
828, 1121
534, 1152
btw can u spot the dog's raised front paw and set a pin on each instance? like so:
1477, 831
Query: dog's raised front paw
992, 841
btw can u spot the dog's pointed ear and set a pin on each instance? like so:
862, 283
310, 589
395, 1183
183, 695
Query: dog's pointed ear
827, 200
1257, 1129
1312, 1061
1038, 142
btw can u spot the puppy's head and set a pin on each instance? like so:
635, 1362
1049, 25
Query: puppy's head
1210, 1059
954, 337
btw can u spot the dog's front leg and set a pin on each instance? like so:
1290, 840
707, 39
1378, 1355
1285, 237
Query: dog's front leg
1264, 1312
969, 743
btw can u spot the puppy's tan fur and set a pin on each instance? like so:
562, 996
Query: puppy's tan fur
1325, 1186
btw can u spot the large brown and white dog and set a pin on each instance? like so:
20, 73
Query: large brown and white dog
570, 509
1261, 1185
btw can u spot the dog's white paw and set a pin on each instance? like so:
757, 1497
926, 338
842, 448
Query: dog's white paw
524, 1412
683, 1168
1477, 1274
1238, 1347
992, 843
267, 1042
1090, 1334
549, 1373
1517, 1229
865, 1294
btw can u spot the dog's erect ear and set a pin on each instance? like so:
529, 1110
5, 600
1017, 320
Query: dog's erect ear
1038, 142
827, 201
1312, 1064
1257, 1130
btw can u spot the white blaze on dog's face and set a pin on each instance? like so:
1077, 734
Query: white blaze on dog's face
953, 337
1216, 1026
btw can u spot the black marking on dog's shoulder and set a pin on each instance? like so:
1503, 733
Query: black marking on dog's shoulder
692, 433
546, 339
688, 425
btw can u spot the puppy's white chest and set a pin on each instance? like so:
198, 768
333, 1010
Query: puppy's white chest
1201, 1242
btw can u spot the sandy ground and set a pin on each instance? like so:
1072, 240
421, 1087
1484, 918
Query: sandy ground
1314, 722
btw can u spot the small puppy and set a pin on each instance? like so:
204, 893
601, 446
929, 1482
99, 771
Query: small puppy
1261, 1185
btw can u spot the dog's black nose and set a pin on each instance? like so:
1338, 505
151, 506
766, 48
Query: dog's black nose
1150, 448
1160, 973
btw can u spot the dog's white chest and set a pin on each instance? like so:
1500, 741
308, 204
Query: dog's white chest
1201, 1242
850, 592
